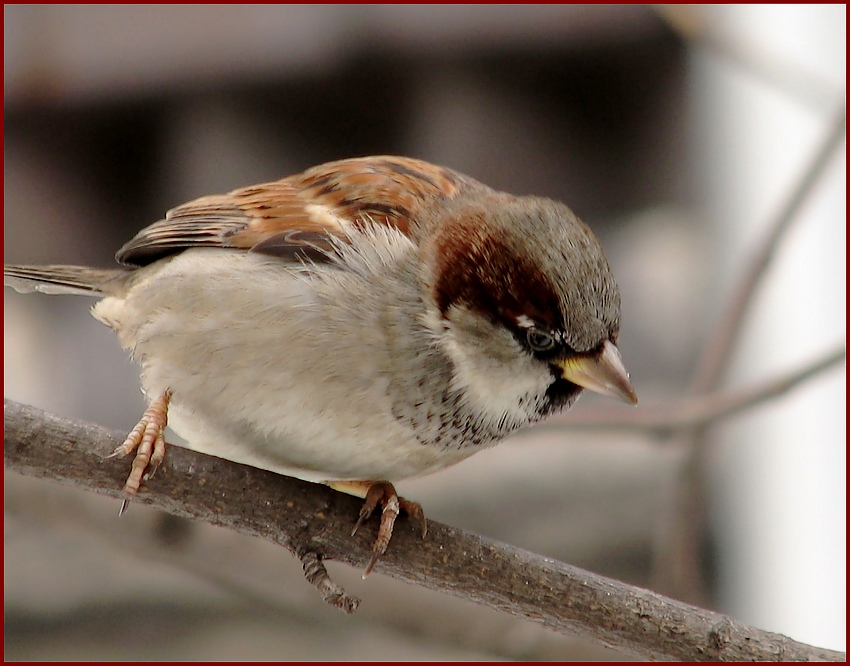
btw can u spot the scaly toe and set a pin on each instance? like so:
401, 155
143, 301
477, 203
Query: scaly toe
148, 440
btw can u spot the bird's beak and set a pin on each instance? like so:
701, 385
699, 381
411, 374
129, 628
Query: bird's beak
603, 373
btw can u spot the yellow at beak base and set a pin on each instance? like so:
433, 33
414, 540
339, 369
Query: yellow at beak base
603, 373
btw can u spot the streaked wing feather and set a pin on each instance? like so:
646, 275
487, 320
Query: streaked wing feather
296, 216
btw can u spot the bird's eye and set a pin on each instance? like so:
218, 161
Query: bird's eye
539, 340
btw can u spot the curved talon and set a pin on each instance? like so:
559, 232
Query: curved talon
374, 496
372, 563
385, 494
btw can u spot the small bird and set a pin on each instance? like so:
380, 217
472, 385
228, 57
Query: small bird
362, 322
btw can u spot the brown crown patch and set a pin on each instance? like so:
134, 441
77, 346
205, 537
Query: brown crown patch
480, 269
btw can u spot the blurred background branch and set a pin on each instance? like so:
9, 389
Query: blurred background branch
678, 561
717, 355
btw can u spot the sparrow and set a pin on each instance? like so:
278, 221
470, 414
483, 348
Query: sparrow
365, 321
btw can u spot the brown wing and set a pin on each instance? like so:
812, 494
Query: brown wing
297, 216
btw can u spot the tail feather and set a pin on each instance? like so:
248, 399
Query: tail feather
78, 280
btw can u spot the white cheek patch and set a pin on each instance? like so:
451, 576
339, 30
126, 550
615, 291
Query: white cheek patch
503, 385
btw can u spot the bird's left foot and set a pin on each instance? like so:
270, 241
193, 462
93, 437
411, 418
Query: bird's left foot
147, 439
384, 494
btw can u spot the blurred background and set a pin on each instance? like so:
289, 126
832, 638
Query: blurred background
675, 133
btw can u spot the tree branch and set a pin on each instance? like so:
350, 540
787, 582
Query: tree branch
314, 523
